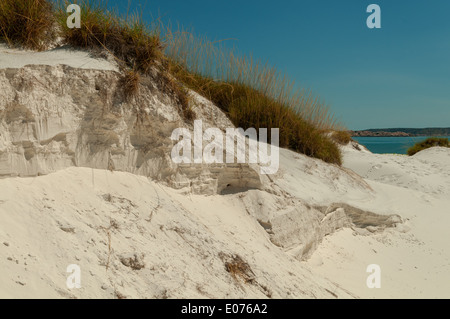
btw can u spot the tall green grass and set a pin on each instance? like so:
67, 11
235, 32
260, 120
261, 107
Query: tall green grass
253, 94
27, 23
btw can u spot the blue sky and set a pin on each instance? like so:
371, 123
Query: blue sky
396, 76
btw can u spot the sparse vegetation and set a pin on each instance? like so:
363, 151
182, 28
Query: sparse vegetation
430, 142
238, 268
252, 94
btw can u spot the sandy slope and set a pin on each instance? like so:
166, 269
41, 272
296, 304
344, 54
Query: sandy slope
415, 261
181, 241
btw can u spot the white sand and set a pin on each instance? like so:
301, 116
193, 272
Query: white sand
52, 221
182, 241
14, 58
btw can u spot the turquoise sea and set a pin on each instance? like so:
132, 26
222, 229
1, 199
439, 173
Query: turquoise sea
392, 145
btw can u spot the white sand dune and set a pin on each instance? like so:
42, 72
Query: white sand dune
415, 259
138, 238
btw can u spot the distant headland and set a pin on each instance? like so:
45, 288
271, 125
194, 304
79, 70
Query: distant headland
402, 132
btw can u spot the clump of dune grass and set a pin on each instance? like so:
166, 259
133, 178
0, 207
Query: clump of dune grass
215, 61
26, 23
341, 137
253, 94
130, 40
130, 83
428, 143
